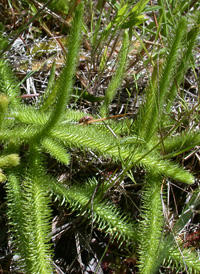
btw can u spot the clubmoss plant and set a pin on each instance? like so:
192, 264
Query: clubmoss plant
105, 215
158, 91
150, 229
48, 129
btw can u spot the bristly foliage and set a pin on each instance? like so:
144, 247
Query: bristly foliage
183, 258
8, 85
150, 228
56, 150
175, 252
50, 129
29, 215
160, 93
189, 42
102, 214
37, 215
29, 211
65, 80
158, 90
